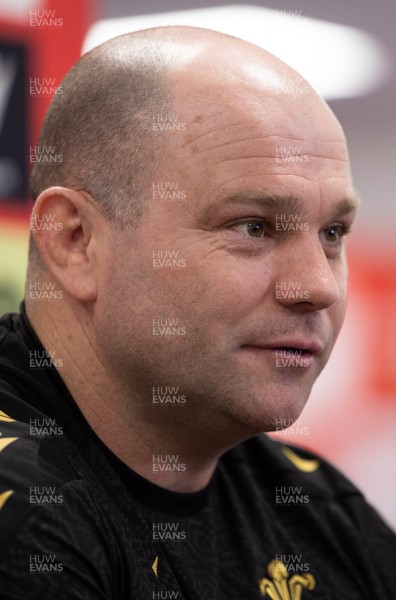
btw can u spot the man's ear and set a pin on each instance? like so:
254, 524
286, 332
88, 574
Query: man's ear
70, 231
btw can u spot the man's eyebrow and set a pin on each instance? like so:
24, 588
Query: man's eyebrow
348, 205
288, 203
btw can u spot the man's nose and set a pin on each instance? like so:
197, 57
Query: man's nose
305, 279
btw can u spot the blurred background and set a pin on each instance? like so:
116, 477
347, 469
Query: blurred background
351, 415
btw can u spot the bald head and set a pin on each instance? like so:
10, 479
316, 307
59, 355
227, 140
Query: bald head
102, 123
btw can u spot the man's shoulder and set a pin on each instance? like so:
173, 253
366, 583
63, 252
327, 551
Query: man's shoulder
52, 506
282, 480
32, 445
274, 463
35, 466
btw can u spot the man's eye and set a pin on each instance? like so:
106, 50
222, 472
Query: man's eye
254, 229
334, 233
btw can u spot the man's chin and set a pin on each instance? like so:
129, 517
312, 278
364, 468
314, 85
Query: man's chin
278, 409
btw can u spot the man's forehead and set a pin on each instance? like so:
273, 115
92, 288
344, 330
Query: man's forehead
216, 115
242, 126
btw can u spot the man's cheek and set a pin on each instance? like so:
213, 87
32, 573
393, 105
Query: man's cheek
236, 288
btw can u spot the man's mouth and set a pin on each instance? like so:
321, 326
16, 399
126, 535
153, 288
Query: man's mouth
292, 347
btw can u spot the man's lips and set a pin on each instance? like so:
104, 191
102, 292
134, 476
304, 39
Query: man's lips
303, 347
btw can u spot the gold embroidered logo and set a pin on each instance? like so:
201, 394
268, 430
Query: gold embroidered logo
4, 497
4, 417
308, 465
5, 441
283, 587
154, 566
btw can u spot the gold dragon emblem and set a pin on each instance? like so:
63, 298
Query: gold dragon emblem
281, 586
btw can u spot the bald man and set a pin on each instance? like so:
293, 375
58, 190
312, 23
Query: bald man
187, 282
